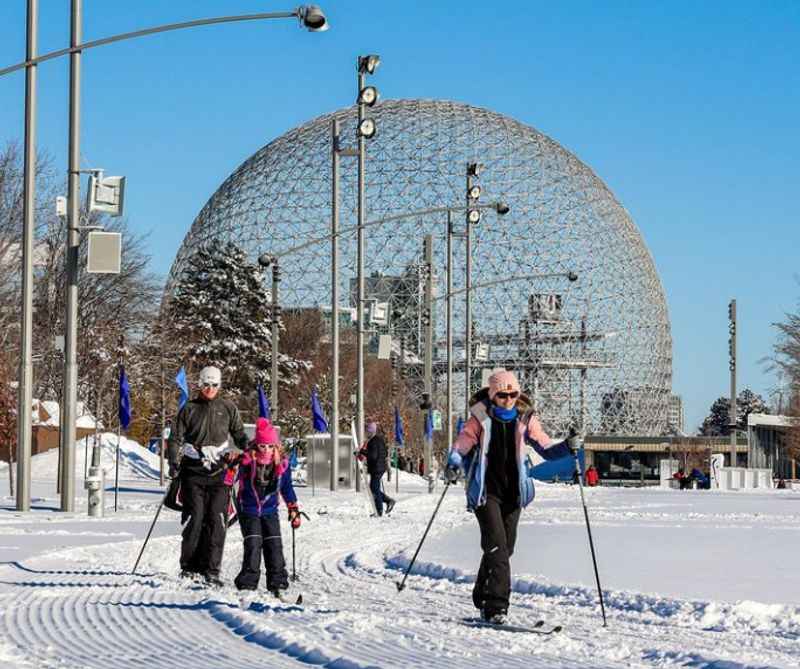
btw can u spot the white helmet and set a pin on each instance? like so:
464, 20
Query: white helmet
210, 376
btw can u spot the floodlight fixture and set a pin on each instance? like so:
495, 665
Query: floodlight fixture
368, 96
368, 64
313, 18
265, 260
366, 128
105, 194
474, 215
474, 169
572, 277
474, 193
502, 208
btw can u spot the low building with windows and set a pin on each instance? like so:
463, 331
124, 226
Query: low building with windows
632, 458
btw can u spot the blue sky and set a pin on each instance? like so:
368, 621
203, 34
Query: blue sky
688, 111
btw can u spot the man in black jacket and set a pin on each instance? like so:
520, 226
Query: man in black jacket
376, 454
199, 452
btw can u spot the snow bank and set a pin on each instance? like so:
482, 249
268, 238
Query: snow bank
135, 461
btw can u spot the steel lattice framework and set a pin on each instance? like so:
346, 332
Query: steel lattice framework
596, 352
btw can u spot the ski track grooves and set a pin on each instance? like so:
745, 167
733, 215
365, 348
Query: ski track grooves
109, 624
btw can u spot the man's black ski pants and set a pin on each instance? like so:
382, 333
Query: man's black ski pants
205, 517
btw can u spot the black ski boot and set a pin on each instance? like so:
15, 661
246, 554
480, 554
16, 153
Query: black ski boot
494, 617
213, 581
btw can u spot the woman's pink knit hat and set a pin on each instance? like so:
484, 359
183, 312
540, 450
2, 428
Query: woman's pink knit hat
503, 381
265, 432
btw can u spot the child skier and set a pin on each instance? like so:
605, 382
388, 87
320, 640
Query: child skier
263, 474
491, 449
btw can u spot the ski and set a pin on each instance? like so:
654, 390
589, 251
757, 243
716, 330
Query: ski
537, 628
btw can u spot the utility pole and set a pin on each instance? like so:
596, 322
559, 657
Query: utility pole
732, 366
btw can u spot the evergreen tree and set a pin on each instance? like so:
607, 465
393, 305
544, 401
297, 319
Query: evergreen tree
220, 314
717, 423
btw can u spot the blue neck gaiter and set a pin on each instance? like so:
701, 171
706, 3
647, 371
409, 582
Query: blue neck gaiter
505, 414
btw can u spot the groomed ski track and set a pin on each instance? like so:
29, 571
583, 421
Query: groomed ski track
80, 607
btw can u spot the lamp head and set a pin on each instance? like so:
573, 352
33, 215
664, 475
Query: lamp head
312, 17
368, 96
368, 64
266, 259
502, 208
366, 128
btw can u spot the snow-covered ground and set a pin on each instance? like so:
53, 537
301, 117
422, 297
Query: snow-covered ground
691, 578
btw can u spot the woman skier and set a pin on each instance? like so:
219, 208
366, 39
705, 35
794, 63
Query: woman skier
264, 473
491, 450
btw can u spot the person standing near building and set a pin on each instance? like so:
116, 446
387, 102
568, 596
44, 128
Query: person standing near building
200, 453
375, 453
491, 450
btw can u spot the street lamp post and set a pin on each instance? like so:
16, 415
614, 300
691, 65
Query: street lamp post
365, 130
336, 152
266, 261
449, 329
334, 429
70, 393
472, 195
25, 397
310, 17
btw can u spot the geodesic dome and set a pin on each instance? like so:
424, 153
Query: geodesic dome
595, 352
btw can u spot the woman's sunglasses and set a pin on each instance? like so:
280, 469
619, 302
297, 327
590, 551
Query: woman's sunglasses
507, 396
210, 385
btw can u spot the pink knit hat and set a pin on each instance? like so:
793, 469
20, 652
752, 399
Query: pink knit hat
265, 432
502, 381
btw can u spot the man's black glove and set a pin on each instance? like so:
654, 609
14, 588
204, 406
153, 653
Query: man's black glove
451, 473
174, 470
573, 441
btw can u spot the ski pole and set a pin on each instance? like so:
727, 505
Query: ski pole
591, 543
294, 571
149, 532
402, 584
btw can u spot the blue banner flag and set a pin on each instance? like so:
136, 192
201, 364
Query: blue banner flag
264, 409
124, 400
293, 458
459, 425
183, 387
398, 427
317, 417
429, 425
